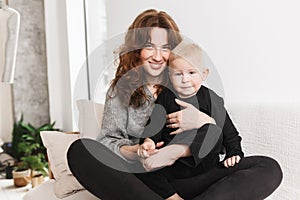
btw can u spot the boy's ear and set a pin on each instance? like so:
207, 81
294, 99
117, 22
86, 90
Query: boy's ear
205, 74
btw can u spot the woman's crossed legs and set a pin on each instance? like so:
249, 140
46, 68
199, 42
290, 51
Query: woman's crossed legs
253, 178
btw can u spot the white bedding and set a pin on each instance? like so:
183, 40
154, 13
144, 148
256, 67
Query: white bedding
273, 130
46, 192
270, 130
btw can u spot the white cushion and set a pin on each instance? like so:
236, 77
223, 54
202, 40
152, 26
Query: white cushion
90, 118
57, 144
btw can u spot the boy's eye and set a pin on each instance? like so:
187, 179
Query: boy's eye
177, 74
192, 72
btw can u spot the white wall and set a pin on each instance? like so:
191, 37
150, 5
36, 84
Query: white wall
66, 54
254, 44
57, 63
65, 40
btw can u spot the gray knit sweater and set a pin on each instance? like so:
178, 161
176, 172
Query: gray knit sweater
123, 125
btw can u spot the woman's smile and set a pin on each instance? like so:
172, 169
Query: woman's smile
155, 65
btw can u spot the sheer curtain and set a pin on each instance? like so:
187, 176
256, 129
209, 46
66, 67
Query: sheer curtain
96, 35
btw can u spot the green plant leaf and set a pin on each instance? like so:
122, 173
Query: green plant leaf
26, 140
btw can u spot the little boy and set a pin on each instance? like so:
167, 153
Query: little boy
187, 73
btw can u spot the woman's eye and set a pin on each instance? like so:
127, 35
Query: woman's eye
193, 72
177, 74
148, 46
166, 48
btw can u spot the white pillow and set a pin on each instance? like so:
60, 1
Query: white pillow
90, 118
57, 144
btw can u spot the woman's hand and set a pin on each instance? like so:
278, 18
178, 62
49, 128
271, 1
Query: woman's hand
230, 162
165, 156
188, 118
148, 148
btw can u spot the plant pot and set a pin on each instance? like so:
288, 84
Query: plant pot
21, 178
37, 180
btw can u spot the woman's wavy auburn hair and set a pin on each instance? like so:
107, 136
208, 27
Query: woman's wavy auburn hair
128, 83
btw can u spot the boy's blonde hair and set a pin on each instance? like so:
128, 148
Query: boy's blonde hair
190, 52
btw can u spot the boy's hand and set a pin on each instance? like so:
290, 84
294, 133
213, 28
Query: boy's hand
230, 162
165, 156
148, 148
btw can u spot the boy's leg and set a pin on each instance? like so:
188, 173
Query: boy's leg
253, 178
101, 180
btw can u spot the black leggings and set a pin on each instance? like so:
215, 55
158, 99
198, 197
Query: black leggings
254, 178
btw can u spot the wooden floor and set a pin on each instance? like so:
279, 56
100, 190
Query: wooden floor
9, 192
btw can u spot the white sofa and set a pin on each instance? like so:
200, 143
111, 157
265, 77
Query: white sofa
271, 130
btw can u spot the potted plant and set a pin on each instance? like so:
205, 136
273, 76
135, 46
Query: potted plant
31, 161
29, 151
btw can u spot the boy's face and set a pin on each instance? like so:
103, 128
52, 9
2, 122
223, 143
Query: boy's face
185, 78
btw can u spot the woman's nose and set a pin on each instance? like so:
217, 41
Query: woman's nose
157, 55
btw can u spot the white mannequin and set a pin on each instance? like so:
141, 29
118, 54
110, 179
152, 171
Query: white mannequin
9, 32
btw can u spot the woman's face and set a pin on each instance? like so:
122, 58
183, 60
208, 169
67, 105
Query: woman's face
156, 53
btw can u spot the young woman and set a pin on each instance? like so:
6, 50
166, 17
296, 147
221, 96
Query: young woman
106, 167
